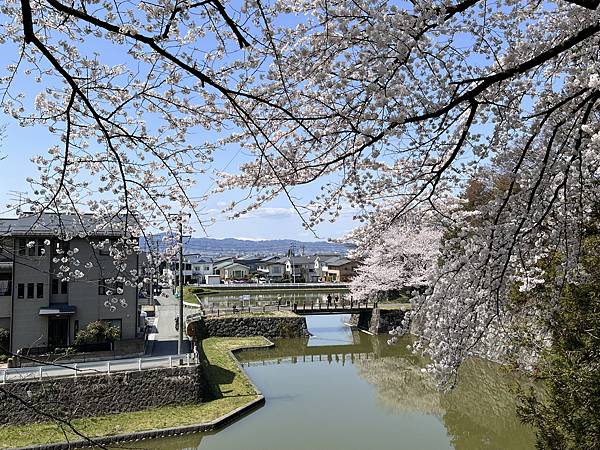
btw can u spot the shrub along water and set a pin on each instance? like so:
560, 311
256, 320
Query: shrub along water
567, 413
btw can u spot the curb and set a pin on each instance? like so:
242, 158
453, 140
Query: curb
192, 305
216, 424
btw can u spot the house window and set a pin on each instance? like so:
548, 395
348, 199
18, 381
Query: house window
4, 247
102, 287
64, 287
105, 249
62, 247
40, 247
30, 289
22, 247
206, 268
55, 286
20, 290
5, 287
117, 323
40, 290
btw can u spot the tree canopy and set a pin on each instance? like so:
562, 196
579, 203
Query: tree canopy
390, 107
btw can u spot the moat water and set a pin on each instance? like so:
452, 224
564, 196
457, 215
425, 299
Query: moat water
343, 389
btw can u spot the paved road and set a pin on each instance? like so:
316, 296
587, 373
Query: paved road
166, 337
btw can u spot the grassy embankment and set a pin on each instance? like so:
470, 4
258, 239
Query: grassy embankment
231, 389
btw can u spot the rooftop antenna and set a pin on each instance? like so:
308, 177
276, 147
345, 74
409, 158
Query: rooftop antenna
17, 196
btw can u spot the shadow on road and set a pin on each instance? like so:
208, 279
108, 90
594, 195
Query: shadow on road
163, 348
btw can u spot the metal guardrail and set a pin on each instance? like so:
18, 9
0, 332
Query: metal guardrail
75, 370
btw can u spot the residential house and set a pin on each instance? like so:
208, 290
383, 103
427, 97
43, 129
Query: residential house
300, 269
195, 268
57, 275
271, 268
252, 262
320, 259
234, 271
201, 266
171, 272
338, 269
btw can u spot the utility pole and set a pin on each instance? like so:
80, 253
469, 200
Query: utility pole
152, 270
180, 342
292, 262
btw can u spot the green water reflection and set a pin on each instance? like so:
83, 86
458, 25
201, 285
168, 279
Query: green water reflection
343, 389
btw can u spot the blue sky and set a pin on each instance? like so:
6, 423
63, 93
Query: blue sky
277, 220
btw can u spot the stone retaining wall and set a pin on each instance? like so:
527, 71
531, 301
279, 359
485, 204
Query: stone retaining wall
270, 327
385, 320
378, 321
97, 395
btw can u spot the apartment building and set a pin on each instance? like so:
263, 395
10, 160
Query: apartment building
43, 307
195, 269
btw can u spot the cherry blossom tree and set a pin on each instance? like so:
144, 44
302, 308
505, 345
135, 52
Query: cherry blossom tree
388, 107
403, 104
401, 259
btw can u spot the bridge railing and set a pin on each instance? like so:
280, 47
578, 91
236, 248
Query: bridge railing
307, 359
340, 305
333, 305
322, 285
40, 373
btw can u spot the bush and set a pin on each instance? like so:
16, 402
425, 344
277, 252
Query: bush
567, 412
97, 332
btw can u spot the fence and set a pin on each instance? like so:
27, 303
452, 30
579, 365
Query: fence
95, 368
276, 285
339, 306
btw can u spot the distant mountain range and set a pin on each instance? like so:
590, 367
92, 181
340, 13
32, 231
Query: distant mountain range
238, 247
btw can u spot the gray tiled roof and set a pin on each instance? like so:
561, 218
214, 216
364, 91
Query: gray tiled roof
299, 259
337, 262
195, 259
53, 225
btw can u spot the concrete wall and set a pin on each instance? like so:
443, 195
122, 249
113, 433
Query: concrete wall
84, 295
29, 329
96, 395
271, 327
5, 306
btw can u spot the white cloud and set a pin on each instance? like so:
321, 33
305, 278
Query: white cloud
272, 213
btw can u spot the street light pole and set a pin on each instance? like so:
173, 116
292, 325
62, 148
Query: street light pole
180, 342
